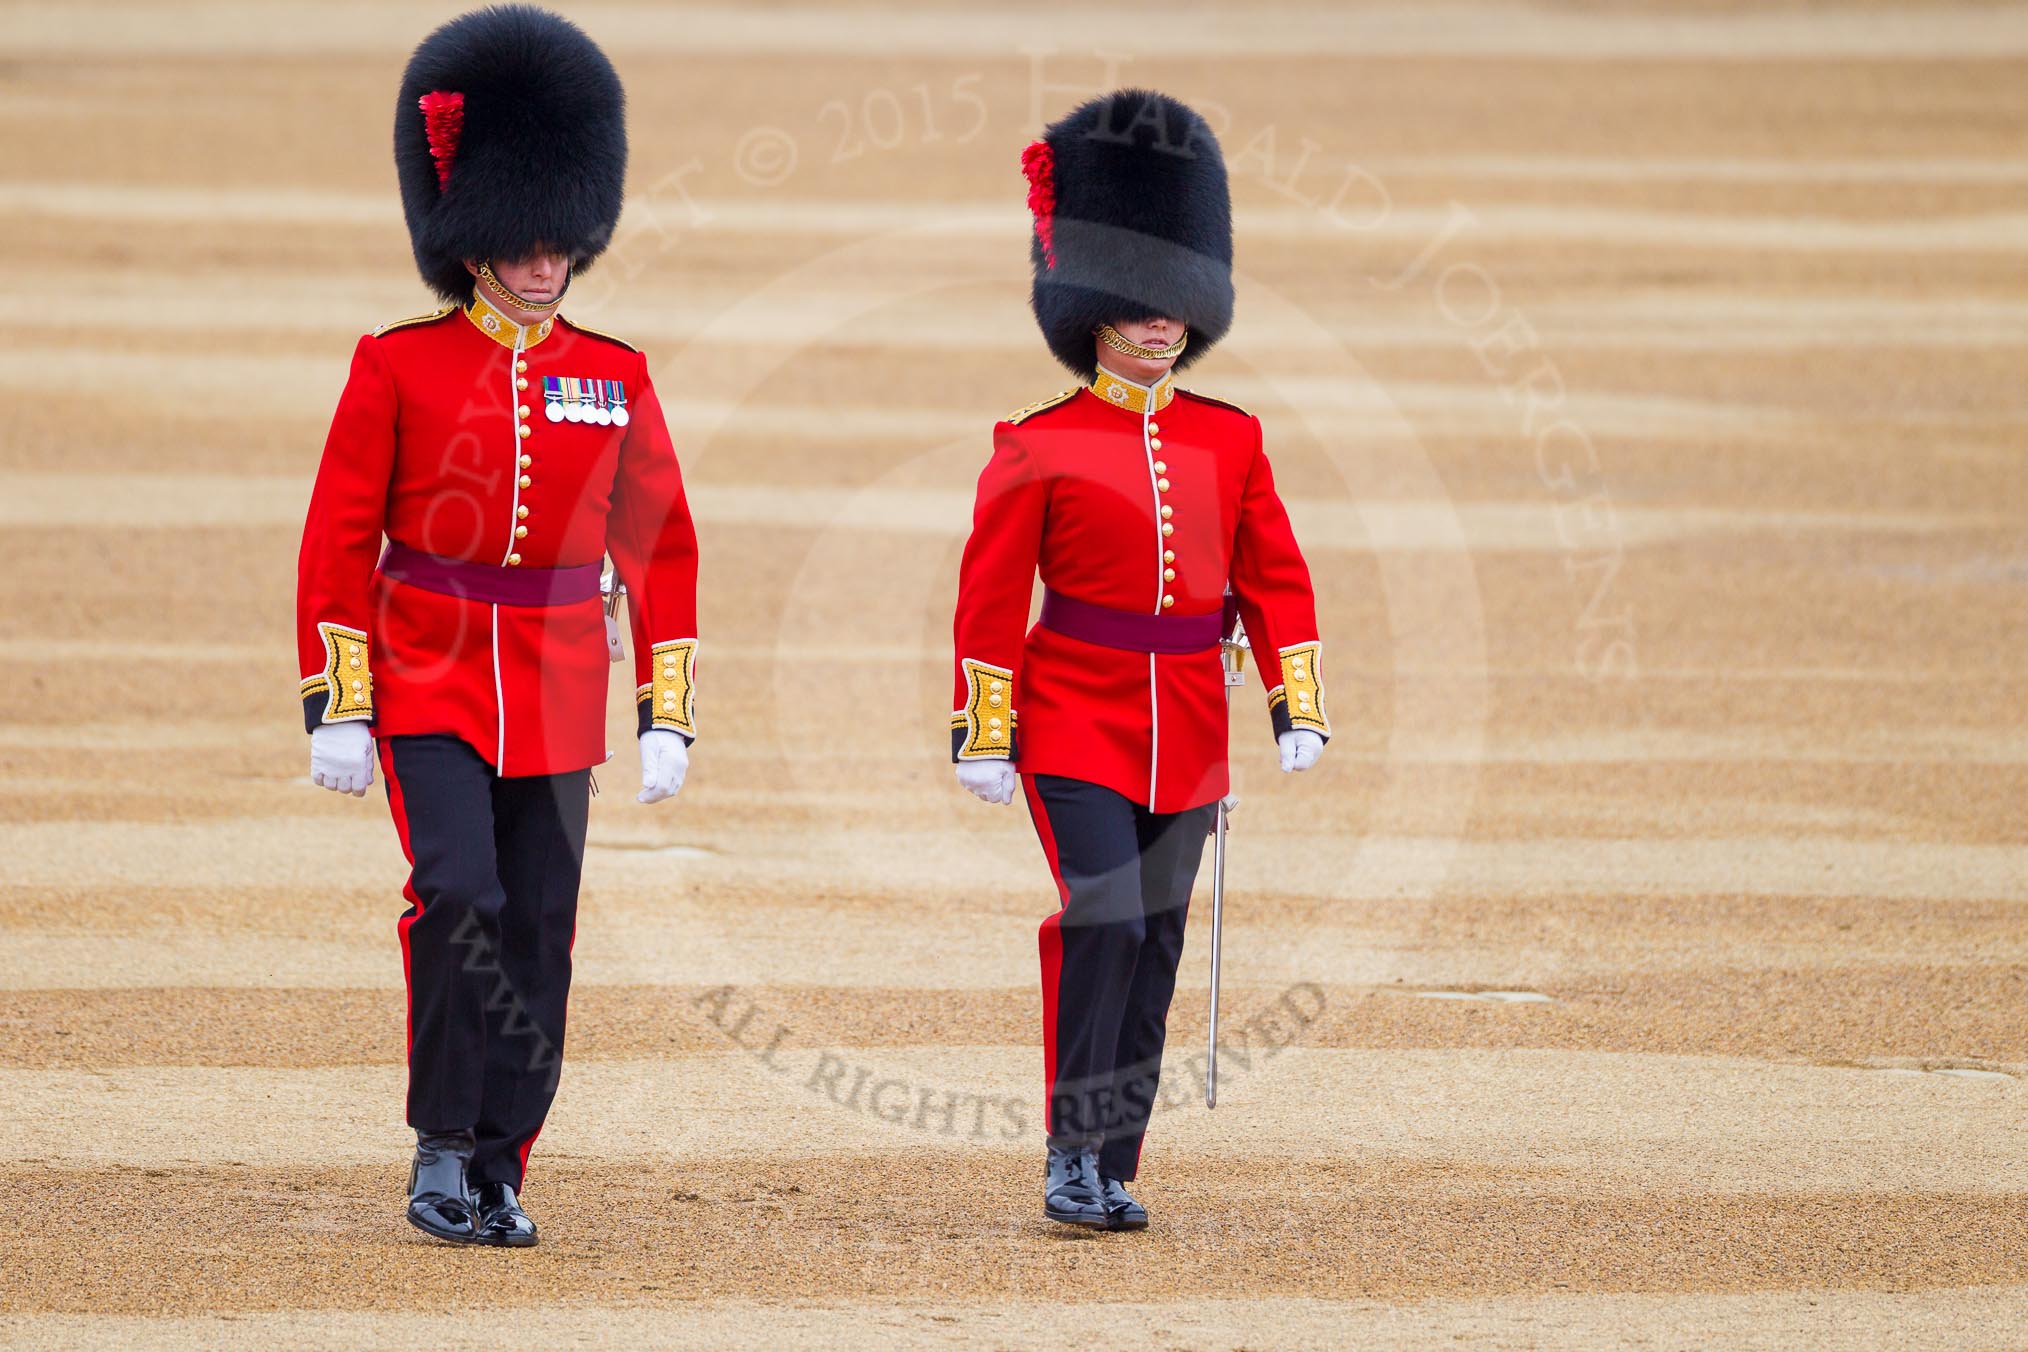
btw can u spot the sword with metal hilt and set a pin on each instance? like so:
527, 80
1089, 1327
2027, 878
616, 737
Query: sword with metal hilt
612, 589
1232, 653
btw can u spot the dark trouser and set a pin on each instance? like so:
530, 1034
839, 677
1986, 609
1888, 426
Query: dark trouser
1109, 957
485, 942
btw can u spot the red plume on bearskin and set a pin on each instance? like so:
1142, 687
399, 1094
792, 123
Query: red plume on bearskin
1038, 162
1133, 219
536, 133
443, 114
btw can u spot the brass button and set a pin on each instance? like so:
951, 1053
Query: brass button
1161, 467
526, 481
354, 661
997, 735
1167, 511
524, 410
526, 429
1162, 485
521, 382
996, 687
521, 532
992, 722
521, 512
1168, 574
1168, 528
1168, 556
993, 700
513, 560
527, 460
1154, 443
1168, 601
520, 366
1153, 427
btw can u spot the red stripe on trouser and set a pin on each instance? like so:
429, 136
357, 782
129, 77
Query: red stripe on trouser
398, 807
529, 1145
1049, 940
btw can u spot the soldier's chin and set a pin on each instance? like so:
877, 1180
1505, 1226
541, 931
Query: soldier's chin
1148, 370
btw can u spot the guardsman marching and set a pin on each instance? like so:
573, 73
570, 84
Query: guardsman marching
1145, 507
503, 451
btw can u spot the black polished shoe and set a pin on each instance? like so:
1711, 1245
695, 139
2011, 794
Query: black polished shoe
1122, 1211
501, 1219
439, 1203
1070, 1189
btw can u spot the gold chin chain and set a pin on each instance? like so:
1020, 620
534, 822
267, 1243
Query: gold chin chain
500, 292
1113, 339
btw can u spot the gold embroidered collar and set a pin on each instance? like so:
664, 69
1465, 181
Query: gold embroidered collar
503, 330
1130, 397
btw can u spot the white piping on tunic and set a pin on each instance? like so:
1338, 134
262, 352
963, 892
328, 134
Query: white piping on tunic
499, 699
1154, 732
513, 514
514, 463
1155, 491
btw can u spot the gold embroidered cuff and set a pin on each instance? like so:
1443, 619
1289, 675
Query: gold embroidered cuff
670, 696
1299, 699
984, 728
347, 679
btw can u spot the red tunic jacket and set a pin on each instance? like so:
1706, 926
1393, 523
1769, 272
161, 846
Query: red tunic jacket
442, 442
1139, 499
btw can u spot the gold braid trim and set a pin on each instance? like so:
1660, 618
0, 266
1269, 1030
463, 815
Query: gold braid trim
1202, 397
430, 318
598, 333
1039, 405
348, 675
1119, 342
988, 715
672, 693
1302, 687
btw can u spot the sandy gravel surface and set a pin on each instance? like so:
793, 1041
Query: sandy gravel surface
1646, 963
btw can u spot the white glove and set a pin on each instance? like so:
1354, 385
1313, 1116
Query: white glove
341, 757
665, 759
1300, 749
990, 781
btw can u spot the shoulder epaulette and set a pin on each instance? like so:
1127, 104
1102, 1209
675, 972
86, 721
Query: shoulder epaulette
598, 333
414, 320
1207, 399
1040, 404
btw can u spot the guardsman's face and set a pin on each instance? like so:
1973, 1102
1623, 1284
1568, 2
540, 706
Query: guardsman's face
1158, 332
538, 277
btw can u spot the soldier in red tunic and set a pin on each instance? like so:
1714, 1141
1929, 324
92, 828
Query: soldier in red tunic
1150, 512
502, 451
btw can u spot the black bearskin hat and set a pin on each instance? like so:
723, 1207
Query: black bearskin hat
510, 133
1132, 220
